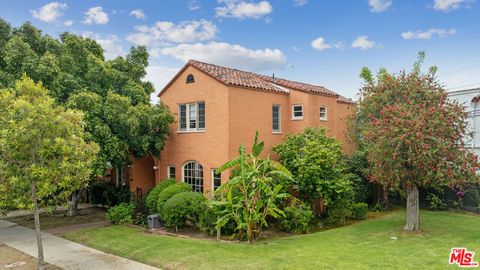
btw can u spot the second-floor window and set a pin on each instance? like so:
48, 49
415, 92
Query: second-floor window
276, 118
297, 112
323, 113
192, 116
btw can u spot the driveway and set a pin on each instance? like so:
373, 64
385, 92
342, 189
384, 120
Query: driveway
64, 253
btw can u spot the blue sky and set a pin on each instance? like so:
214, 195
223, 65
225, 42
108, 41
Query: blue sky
316, 41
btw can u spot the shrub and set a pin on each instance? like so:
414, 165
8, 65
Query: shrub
359, 210
104, 193
436, 203
183, 207
357, 166
152, 197
169, 192
317, 164
115, 196
95, 191
297, 218
121, 213
337, 212
210, 216
378, 207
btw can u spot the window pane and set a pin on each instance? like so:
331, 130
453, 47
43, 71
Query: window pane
217, 179
171, 172
297, 111
275, 118
323, 113
193, 175
192, 116
201, 115
183, 117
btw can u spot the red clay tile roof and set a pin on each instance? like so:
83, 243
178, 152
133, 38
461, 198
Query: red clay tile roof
236, 77
309, 88
247, 79
343, 99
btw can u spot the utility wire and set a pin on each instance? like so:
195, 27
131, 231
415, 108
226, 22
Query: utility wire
458, 70
461, 86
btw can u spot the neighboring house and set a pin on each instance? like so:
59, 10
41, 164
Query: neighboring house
470, 98
217, 109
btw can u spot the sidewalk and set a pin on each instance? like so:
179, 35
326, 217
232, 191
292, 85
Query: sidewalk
63, 253
17, 213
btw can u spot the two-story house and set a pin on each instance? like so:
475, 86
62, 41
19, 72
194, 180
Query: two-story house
469, 99
217, 109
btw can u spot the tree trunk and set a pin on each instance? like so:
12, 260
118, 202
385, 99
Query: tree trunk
41, 260
413, 209
73, 207
385, 197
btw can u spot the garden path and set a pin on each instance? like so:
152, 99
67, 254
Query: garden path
64, 253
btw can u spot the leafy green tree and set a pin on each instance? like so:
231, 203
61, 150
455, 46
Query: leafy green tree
413, 134
318, 167
253, 193
112, 94
43, 153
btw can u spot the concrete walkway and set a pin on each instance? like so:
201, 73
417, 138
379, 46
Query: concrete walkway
63, 253
19, 213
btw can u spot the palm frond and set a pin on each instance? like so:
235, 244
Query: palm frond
279, 167
230, 164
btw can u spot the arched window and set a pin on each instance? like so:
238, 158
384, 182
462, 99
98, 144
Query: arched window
193, 175
190, 78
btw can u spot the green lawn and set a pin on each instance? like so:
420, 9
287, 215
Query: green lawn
363, 245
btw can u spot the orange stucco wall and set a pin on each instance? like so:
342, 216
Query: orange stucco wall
233, 115
209, 147
251, 111
142, 174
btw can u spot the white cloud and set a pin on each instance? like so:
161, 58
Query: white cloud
379, 5
159, 76
138, 13
109, 43
242, 10
299, 3
319, 44
226, 54
68, 23
49, 12
447, 5
168, 32
95, 15
428, 34
193, 5
363, 43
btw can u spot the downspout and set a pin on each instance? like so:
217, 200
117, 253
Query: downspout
474, 125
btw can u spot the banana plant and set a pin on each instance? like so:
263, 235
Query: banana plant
254, 191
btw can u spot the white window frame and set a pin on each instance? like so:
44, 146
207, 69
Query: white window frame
202, 185
187, 117
279, 118
326, 113
168, 172
293, 112
212, 176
